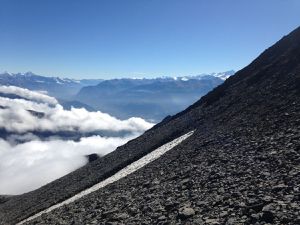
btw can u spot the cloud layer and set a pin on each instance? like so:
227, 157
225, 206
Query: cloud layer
27, 94
27, 166
54, 118
28, 162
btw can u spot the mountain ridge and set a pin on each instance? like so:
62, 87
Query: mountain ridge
152, 99
124, 97
55, 86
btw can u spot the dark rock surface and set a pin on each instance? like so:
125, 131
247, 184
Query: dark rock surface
4, 198
92, 157
241, 166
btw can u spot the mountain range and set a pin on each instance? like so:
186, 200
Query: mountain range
230, 158
62, 88
151, 99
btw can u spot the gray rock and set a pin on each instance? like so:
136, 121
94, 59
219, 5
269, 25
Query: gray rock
186, 212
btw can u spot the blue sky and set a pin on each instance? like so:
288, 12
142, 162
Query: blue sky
139, 38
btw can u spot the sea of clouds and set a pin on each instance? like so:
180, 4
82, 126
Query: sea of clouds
30, 159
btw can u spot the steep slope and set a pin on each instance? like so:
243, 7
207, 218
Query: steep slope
241, 165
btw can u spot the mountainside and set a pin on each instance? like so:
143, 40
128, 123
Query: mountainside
240, 166
57, 87
152, 99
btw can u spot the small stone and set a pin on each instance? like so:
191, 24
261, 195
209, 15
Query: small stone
202, 203
221, 190
266, 174
186, 212
121, 216
111, 223
198, 221
132, 211
162, 218
92, 157
279, 187
223, 214
185, 181
267, 198
231, 221
212, 221
155, 182
268, 208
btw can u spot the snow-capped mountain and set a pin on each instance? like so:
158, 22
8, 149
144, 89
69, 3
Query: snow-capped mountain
152, 99
54, 86
222, 75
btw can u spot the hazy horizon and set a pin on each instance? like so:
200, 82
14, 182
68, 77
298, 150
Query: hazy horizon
119, 77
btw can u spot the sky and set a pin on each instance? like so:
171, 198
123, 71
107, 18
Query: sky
139, 38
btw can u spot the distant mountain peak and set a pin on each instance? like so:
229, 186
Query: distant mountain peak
221, 75
61, 88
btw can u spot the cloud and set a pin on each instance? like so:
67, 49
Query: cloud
25, 167
25, 93
28, 161
19, 113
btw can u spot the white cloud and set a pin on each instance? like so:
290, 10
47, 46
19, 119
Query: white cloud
32, 95
27, 162
16, 117
25, 167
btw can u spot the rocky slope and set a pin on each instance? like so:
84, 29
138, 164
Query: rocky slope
241, 165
